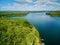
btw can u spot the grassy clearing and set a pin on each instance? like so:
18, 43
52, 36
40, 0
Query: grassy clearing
17, 31
54, 13
13, 13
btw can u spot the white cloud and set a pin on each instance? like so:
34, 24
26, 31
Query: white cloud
39, 5
24, 1
29, 0
47, 2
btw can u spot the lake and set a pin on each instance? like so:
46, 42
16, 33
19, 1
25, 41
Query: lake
48, 27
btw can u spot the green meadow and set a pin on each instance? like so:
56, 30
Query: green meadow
54, 13
13, 13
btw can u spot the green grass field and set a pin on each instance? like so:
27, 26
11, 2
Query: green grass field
54, 13
13, 13
17, 31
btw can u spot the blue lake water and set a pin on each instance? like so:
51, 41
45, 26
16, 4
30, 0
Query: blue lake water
48, 27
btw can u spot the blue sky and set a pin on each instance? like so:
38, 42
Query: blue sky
29, 5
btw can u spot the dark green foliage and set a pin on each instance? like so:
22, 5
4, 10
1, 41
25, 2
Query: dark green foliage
26, 24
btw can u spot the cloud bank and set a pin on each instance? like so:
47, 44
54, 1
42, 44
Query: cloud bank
30, 5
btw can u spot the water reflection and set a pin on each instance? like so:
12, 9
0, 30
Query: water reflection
49, 27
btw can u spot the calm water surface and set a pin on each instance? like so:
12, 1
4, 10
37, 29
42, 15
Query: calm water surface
48, 27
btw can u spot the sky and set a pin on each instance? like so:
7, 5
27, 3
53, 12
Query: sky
29, 5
